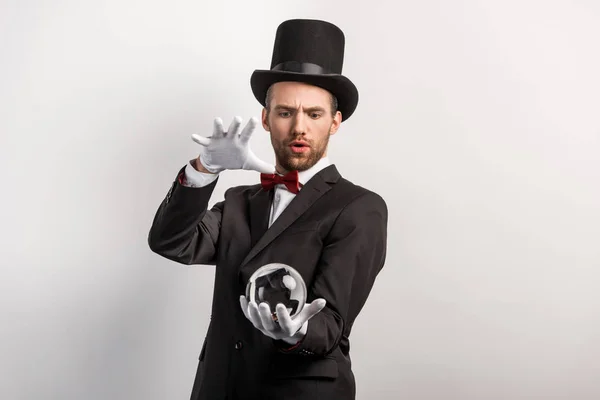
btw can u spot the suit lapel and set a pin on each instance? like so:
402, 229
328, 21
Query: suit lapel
259, 208
310, 193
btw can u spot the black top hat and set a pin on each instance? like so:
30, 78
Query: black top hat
309, 51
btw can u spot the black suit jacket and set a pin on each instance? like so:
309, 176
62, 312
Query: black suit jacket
333, 233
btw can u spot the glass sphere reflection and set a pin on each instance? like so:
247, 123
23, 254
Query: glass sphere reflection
277, 283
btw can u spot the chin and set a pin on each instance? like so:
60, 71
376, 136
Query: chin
298, 162
301, 164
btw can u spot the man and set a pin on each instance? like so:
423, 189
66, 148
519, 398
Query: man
331, 231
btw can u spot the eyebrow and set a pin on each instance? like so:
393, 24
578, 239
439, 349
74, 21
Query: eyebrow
290, 108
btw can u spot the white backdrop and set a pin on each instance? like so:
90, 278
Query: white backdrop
478, 123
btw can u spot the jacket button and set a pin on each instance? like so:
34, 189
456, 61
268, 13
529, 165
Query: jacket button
238, 345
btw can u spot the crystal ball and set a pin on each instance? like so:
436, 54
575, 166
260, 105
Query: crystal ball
277, 283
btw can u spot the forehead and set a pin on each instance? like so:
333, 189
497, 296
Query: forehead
298, 93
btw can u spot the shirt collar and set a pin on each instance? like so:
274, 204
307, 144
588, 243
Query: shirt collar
306, 175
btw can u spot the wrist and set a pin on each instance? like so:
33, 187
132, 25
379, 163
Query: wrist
298, 336
293, 340
199, 167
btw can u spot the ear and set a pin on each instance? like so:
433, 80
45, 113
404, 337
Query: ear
265, 120
335, 124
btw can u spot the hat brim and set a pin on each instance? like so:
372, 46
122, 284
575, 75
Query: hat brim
340, 86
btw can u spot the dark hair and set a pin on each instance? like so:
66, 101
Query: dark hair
334, 101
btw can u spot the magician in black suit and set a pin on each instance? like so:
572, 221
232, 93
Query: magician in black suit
300, 212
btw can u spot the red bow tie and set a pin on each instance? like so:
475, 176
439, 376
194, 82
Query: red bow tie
290, 180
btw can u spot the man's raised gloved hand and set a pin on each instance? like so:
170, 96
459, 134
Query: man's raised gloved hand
288, 329
230, 149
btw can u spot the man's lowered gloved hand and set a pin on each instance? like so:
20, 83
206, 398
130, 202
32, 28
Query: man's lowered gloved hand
287, 329
231, 149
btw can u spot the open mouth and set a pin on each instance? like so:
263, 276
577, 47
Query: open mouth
299, 147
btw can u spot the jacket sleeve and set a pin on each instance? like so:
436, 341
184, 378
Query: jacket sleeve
184, 229
354, 253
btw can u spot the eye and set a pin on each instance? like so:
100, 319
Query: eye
284, 114
315, 115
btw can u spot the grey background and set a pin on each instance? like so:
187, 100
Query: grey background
478, 123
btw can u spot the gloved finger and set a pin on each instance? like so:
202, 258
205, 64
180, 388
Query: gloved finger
248, 130
234, 127
310, 310
285, 321
254, 316
200, 140
266, 317
244, 305
254, 163
218, 128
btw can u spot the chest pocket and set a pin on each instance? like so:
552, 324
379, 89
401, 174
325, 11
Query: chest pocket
301, 227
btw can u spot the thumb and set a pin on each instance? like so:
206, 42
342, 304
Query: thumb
312, 309
201, 140
318, 305
244, 306
256, 164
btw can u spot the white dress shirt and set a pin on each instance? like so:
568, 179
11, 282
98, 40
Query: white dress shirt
281, 198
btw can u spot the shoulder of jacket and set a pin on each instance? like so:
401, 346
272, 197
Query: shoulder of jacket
353, 192
242, 190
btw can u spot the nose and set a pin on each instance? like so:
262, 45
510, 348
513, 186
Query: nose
299, 126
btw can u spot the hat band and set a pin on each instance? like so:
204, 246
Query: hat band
301, 67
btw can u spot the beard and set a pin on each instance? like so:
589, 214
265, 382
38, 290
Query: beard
299, 161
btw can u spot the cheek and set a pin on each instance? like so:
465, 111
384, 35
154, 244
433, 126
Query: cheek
321, 127
275, 135
276, 139
324, 134
279, 130
280, 124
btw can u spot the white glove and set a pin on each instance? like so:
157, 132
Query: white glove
230, 150
288, 329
